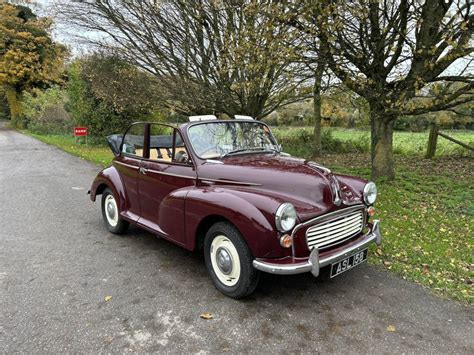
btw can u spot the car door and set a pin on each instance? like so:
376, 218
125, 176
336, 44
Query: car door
164, 180
128, 164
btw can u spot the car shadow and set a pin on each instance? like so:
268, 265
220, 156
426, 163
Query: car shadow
190, 265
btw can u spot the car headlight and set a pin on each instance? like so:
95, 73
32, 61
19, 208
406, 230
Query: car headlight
370, 193
285, 217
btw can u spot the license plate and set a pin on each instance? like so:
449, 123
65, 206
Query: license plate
348, 263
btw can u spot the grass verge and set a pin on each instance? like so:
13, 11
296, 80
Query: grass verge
427, 216
100, 155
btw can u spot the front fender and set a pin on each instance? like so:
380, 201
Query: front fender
109, 177
252, 222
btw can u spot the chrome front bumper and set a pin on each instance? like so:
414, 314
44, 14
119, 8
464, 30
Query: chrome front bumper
314, 263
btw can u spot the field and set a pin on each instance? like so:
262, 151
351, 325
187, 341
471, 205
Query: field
406, 143
427, 214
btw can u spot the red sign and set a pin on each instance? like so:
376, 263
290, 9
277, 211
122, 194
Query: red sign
80, 131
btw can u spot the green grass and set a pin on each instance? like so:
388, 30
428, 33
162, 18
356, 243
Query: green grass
427, 214
427, 223
101, 155
405, 143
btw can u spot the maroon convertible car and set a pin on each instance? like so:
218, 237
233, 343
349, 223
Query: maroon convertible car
226, 187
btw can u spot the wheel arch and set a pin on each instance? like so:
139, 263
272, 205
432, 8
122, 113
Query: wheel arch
100, 188
205, 207
203, 226
109, 178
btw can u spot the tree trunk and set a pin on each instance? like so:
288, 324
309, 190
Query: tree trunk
13, 98
382, 145
318, 76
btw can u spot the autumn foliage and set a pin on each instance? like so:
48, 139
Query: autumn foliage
28, 56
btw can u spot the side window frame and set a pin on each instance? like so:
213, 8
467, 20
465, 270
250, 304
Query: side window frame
190, 161
146, 134
176, 132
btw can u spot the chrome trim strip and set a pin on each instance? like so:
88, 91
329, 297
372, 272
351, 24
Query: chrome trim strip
127, 165
213, 161
314, 165
314, 262
356, 201
171, 174
230, 182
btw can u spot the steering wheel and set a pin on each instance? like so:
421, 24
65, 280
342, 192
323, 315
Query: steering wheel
181, 157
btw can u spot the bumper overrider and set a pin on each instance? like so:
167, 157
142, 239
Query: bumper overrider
315, 262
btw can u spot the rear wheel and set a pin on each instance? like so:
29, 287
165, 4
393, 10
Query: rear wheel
229, 261
110, 213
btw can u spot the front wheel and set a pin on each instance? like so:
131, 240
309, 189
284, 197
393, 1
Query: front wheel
111, 214
229, 261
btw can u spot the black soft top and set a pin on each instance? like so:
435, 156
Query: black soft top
115, 140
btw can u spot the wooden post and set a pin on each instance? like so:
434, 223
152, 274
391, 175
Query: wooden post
432, 141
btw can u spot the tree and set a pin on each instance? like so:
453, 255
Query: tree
28, 56
390, 52
310, 52
226, 57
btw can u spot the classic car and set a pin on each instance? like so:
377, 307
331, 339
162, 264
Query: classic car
225, 187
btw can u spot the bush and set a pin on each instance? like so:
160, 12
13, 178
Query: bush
44, 111
107, 95
4, 111
87, 110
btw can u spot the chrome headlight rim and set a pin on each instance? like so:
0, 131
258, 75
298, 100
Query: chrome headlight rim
370, 193
285, 209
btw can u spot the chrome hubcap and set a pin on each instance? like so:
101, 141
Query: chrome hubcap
111, 210
224, 261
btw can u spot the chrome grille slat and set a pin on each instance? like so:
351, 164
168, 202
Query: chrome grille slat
335, 231
334, 222
347, 223
333, 235
322, 243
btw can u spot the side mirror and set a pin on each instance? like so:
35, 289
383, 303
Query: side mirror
114, 141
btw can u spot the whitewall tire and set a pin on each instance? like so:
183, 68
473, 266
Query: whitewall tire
111, 213
229, 261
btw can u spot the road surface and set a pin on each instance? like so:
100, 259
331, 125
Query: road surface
58, 264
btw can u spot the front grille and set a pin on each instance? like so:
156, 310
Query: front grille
335, 231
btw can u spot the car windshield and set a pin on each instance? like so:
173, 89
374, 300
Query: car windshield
212, 140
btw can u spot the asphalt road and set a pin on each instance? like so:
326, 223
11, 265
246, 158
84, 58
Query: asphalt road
58, 263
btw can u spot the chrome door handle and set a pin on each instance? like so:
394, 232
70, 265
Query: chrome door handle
143, 170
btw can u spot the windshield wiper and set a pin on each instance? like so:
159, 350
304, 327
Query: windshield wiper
240, 150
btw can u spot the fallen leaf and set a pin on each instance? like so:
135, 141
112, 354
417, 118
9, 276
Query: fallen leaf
107, 298
426, 270
391, 328
206, 316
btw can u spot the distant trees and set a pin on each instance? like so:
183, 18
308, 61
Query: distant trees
227, 57
28, 56
390, 52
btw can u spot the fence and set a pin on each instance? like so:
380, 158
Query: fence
433, 141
